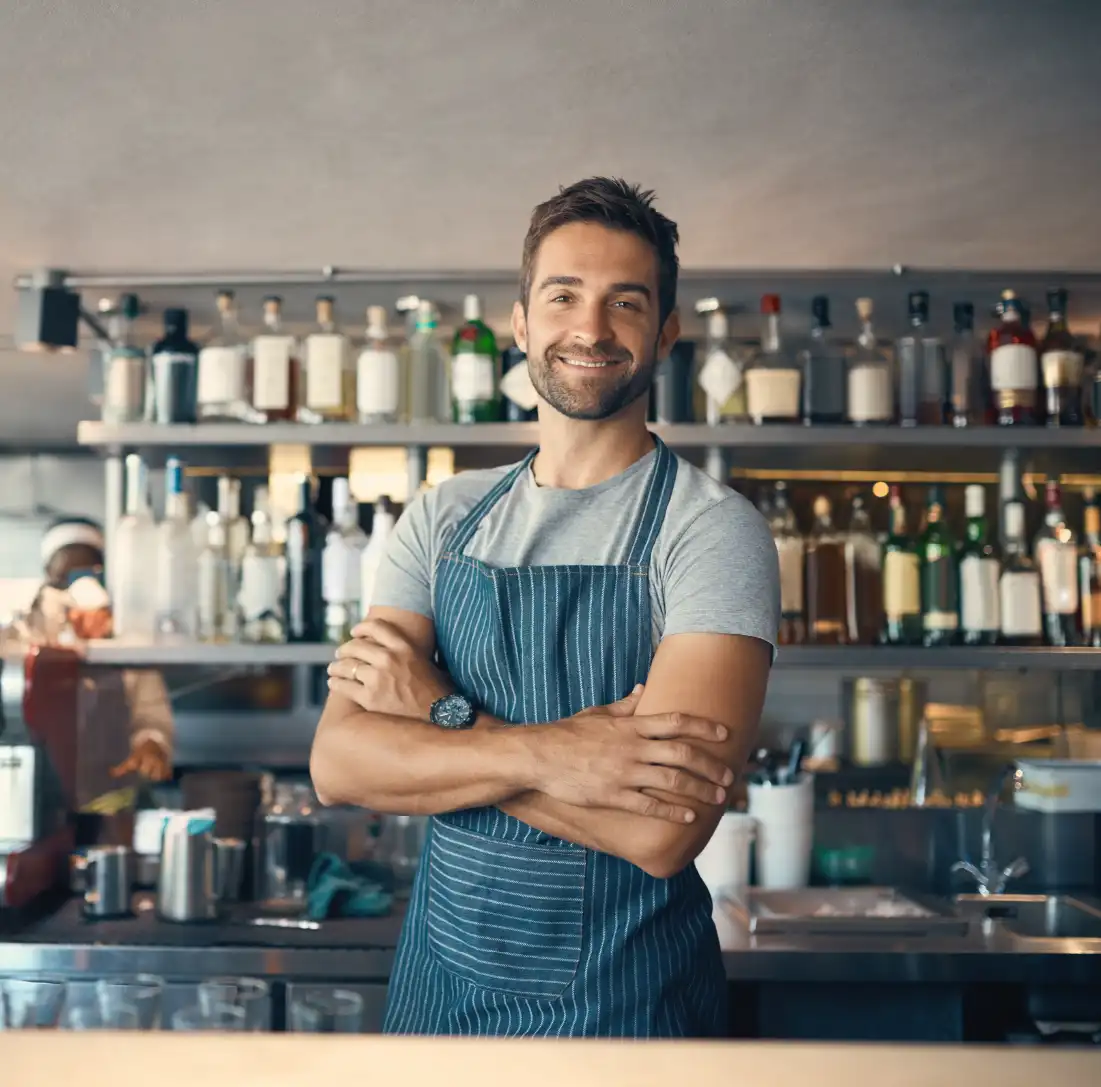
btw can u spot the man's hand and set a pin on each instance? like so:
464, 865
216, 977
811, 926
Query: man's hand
148, 758
382, 671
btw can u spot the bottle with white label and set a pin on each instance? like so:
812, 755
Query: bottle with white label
474, 368
790, 550
519, 400
330, 381
1019, 585
382, 525
1089, 573
979, 571
176, 562
275, 368
260, 597
901, 579
871, 392
721, 375
378, 373
1056, 554
340, 565
125, 367
940, 590
1061, 365
223, 389
1014, 369
773, 380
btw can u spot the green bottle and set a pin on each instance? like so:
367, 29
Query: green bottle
901, 580
940, 591
475, 362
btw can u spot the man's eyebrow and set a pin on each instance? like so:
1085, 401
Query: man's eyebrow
630, 288
560, 281
576, 281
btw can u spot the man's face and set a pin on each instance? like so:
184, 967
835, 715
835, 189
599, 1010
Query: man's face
592, 330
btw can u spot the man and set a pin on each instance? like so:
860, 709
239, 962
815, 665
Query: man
618, 604
72, 558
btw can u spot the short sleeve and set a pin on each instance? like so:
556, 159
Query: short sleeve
404, 578
722, 575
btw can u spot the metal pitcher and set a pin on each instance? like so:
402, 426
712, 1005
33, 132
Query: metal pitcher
186, 889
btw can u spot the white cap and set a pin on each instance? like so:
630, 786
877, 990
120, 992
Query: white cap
376, 321
718, 327
1013, 521
974, 500
472, 308
383, 520
342, 493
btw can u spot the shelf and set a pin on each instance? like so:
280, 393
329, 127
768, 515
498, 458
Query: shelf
850, 659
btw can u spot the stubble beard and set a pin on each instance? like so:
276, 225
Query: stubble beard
595, 398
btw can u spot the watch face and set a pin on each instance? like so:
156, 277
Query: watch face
453, 711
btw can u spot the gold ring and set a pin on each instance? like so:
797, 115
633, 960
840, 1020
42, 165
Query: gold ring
355, 668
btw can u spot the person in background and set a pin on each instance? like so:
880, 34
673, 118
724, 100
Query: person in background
72, 604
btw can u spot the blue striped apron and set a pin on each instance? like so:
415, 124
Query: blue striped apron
510, 930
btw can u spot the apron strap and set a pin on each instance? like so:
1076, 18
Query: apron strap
469, 524
654, 504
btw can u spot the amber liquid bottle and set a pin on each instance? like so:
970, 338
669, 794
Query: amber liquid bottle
827, 581
1014, 369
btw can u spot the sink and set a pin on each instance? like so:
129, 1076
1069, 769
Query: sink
1036, 917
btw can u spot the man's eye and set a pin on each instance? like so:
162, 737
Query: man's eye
561, 298
625, 304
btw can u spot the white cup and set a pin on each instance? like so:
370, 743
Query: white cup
724, 862
785, 832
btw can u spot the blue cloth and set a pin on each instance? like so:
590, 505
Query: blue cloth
510, 930
336, 889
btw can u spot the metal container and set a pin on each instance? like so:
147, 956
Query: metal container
107, 877
229, 868
186, 890
291, 834
874, 732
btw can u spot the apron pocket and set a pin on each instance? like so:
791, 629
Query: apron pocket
505, 915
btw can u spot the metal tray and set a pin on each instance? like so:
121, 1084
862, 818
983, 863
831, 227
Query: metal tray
835, 911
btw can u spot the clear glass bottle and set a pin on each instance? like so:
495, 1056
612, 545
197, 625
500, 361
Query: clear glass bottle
133, 592
1014, 369
474, 368
237, 527
305, 543
979, 573
968, 378
773, 380
382, 525
863, 577
276, 372
827, 579
125, 367
871, 393
1056, 553
429, 394
330, 381
378, 372
1019, 586
173, 372
922, 378
216, 597
901, 579
340, 565
940, 593
1061, 366
1089, 573
519, 400
720, 393
176, 563
223, 383
825, 377
791, 552
260, 597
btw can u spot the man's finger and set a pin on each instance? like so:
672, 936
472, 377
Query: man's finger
127, 766
362, 651
664, 726
642, 803
627, 705
378, 630
356, 692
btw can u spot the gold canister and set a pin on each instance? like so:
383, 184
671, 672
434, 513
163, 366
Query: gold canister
911, 704
873, 737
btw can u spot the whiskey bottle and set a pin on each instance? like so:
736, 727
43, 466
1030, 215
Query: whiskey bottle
773, 379
474, 376
969, 382
329, 380
1019, 586
901, 580
979, 619
1061, 364
824, 371
791, 552
1014, 371
827, 584
940, 611
871, 394
275, 366
223, 382
863, 578
1056, 554
1089, 574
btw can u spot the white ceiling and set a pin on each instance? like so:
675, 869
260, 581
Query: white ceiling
160, 135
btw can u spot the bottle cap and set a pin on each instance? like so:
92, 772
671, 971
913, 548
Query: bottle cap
918, 303
820, 310
974, 500
472, 308
963, 316
1053, 493
173, 476
718, 326
865, 307
1057, 301
175, 320
225, 301
822, 506
325, 306
936, 495
342, 493
1013, 520
272, 301
376, 322
770, 303
129, 306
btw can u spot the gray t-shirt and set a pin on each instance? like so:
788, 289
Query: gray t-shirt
713, 569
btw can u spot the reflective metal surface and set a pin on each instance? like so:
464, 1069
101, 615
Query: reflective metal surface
1039, 918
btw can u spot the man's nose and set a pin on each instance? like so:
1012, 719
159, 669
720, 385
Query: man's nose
591, 325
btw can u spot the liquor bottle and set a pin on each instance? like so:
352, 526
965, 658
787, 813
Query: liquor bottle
223, 382
174, 372
519, 399
773, 381
474, 376
275, 366
863, 578
330, 392
671, 392
1014, 371
901, 580
969, 382
133, 592
922, 378
940, 609
216, 597
1089, 574
1061, 365
176, 562
871, 395
979, 571
429, 397
305, 542
1056, 554
721, 377
1019, 586
260, 597
791, 552
824, 370
827, 589
236, 526
340, 566
382, 525
378, 373
125, 367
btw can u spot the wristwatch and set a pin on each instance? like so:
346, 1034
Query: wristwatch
453, 711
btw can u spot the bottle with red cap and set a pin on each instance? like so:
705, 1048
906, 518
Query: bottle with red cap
1057, 557
773, 378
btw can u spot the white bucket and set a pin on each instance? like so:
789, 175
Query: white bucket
724, 862
785, 832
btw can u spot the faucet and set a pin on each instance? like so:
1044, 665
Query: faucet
989, 878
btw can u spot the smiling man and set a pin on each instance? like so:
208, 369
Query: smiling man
622, 608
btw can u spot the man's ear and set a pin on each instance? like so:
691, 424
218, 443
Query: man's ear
670, 333
520, 326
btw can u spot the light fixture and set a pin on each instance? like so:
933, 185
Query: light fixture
49, 314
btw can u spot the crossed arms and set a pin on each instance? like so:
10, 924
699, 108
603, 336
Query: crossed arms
645, 779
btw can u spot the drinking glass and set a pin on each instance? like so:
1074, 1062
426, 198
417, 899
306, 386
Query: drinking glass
327, 1011
143, 992
215, 1017
88, 1015
249, 994
27, 1004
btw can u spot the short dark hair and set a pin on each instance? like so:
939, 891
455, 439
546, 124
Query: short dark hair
615, 203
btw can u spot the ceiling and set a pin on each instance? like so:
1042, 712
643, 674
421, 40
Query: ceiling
154, 135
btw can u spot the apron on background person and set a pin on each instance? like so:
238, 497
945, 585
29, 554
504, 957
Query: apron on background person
512, 931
